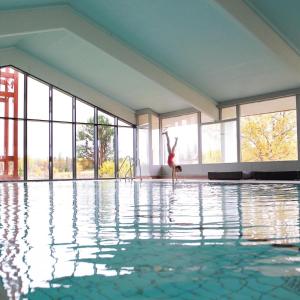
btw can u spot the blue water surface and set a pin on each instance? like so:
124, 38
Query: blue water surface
150, 240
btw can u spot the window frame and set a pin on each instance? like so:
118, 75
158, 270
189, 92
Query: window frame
50, 122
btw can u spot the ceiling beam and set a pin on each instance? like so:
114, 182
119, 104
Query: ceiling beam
43, 19
252, 22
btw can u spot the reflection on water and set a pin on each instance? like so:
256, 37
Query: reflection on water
55, 237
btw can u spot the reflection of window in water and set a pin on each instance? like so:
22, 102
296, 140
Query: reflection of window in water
270, 212
212, 213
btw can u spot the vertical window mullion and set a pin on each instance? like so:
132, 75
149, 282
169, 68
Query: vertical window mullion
134, 154
150, 152
238, 133
116, 150
95, 143
74, 137
50, 133
25, 128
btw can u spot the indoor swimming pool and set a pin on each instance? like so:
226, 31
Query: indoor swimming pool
147, 240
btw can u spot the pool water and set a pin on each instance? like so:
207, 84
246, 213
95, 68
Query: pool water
121, 240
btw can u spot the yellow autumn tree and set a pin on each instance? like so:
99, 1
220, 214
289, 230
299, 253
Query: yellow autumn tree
212, 156
269, 137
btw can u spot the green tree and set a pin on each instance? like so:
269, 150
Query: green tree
85, 139
269, 137
105, 133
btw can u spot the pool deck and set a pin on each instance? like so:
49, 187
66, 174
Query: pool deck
250, 181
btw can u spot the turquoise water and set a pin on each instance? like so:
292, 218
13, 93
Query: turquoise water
116, 240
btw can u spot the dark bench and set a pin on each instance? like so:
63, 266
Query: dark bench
225, 175
284, 175
258, 175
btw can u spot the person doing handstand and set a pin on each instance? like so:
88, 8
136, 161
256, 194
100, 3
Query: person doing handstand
175, 168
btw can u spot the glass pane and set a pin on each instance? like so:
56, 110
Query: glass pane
219, 143
62, 106
62, 151
229, 113
125, 150
106, 152
155, 140
211, 143
84, 112
121, 123
37, 100
11, 93
229, 142
143, 143
38, 150
11, 150
270, 106
186, 129
104, 118
269, 137
85, 151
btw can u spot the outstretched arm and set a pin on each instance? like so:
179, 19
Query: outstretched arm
175, 144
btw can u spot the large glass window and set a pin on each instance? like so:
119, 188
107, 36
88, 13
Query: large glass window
269, 130
125, 148
11, 93
11, 149
219, 142
85, 151
106, 154
11, 130
211, 143
106, 119
84, 112
186, 129
62, 151
37, 100
62, 106
155, 140
143, 141
38, 150
55, 135
121, 123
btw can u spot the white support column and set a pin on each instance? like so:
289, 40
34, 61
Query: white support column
150, 154
238, 135
199, 138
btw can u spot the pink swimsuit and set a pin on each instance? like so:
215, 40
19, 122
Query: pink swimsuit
170, 159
